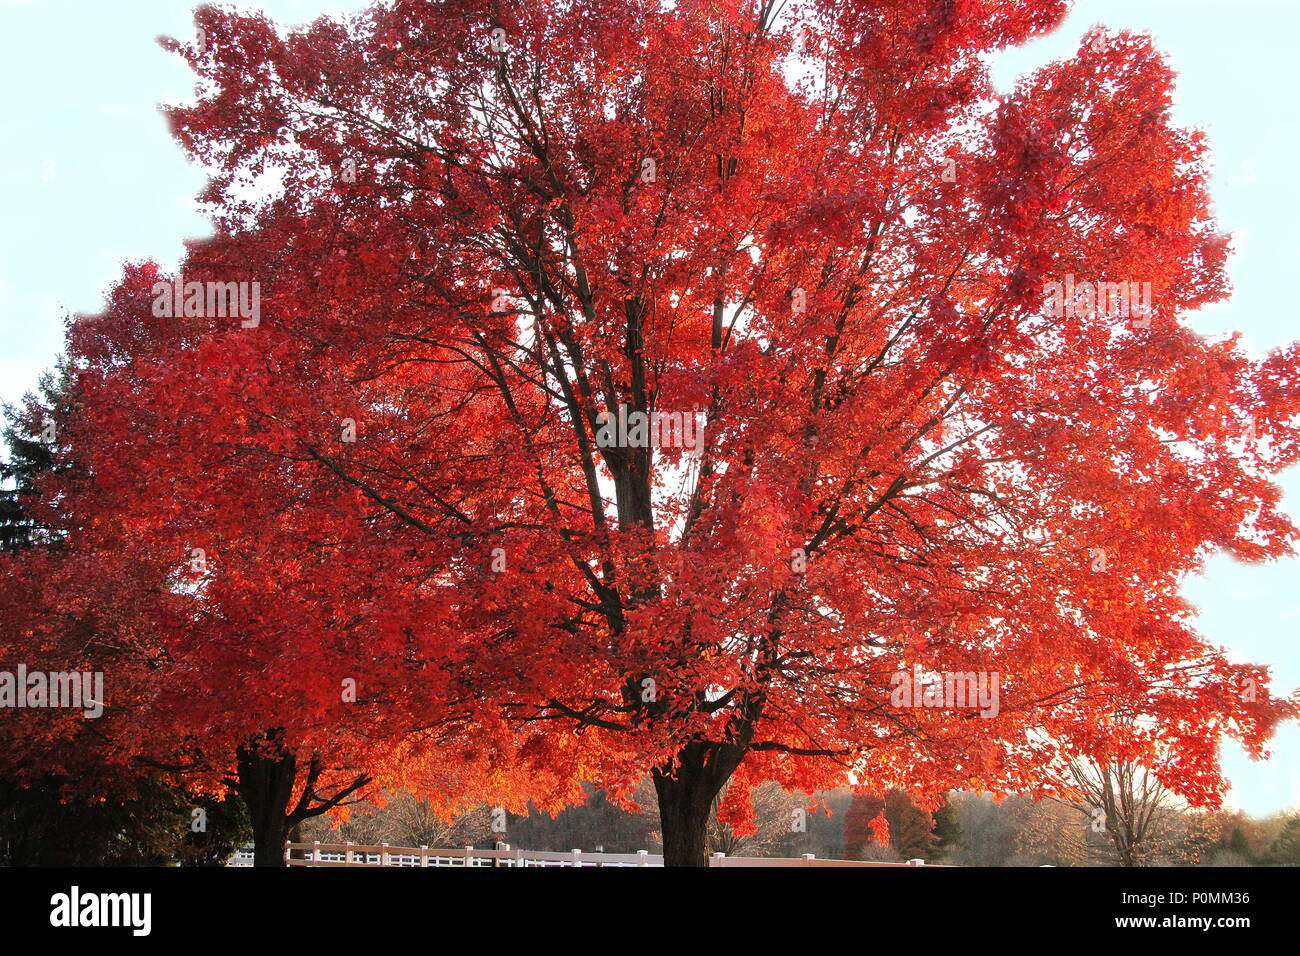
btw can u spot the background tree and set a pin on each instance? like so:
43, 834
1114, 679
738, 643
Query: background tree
1128, 801
911, 829
30, 439
1048, 833
43, 824
617, 825
866, 833
989, 827
891, 827
418, 823
1285, 849
947, 829
757, 826
402, 819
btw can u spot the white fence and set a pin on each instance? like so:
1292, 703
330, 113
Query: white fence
357, 854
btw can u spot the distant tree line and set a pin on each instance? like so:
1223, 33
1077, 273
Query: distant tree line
965, 830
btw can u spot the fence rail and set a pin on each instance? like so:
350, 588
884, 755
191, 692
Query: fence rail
381, 854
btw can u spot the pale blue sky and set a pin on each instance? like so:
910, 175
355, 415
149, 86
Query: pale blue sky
90, 178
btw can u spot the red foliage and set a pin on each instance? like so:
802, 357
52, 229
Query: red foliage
966, 482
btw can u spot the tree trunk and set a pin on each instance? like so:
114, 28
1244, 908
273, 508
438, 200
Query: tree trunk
266, 784
686, 789
268, 843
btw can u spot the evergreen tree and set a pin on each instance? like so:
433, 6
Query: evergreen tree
1285, 850
1236, 843
29, 434
947, 830
911, 829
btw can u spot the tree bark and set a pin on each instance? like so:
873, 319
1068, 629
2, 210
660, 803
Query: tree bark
266, 784
266, 771
268, 844
686, 789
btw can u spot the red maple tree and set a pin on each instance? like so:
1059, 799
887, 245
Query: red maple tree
492, 240
229, 661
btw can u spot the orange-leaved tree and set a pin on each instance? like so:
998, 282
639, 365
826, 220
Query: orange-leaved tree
233, 651
735, 391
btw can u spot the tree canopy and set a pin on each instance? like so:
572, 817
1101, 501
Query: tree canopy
482, 233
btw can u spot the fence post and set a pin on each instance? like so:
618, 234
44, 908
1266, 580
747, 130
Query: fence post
717, 858
424, 854
469, 856
577, 858
808, 859
519, 855
496, 860
347, 853
315, 851
383, 854
642, 858
916, 862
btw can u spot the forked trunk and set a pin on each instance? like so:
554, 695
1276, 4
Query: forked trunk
266, 785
